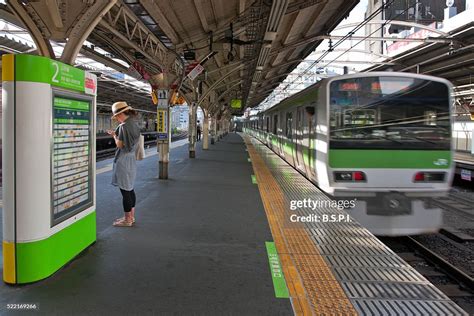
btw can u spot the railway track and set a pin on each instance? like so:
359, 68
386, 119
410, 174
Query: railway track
464, 280
458, 202
109, 152
457, 284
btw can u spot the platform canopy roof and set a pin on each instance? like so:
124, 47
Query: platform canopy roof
246, 47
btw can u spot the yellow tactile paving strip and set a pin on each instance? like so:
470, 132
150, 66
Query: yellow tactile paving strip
312, 286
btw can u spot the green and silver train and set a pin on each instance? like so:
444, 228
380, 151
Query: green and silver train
381, 138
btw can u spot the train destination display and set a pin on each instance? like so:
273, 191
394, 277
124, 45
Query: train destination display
72, 178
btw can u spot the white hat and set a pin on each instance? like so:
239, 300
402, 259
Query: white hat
119, 107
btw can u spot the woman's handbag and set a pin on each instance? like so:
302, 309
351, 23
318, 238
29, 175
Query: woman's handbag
140, 152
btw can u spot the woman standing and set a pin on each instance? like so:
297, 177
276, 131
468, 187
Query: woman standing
126, 137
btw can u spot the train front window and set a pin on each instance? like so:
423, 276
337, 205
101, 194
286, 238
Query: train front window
389, 112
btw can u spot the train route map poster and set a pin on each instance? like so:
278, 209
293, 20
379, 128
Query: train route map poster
72, 170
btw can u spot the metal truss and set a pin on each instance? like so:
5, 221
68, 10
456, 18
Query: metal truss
125, 25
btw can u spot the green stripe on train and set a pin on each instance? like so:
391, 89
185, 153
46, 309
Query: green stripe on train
368, 158
288, 147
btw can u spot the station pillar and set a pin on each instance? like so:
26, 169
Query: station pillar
163, 119
164, 156
192, 131
205, 130
213, 130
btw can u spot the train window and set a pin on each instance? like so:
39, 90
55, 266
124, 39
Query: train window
275, 124
389, 112
268, 124
289, 119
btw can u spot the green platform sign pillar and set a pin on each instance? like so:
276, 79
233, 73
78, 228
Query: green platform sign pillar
49, 111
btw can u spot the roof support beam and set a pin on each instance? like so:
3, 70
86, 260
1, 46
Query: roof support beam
212, 106
214, 85
53, 9
109, 62
226, 84
201, 14
83, 27
38, 32
152, 7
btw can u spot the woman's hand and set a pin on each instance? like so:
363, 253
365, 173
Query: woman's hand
118, 142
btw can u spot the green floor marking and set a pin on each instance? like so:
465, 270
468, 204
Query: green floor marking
254, 179
279, 284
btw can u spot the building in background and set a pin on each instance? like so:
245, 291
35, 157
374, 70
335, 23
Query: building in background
179, 117
436, 14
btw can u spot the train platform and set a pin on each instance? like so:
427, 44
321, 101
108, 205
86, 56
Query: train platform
198, 246
464, 165
204, 241
464, 157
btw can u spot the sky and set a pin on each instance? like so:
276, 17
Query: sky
292, 87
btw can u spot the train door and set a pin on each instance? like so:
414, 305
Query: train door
267, 130
298, 136
281, 132
274, 140
288, 139
311, 164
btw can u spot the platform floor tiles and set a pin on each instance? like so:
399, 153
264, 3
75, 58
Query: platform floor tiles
342, 268
198, 247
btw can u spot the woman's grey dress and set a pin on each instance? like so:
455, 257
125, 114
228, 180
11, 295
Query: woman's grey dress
125, 164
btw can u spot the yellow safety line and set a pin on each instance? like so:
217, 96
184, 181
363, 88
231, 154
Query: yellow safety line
311, 283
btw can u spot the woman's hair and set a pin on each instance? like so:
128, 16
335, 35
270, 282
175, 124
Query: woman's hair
131, 113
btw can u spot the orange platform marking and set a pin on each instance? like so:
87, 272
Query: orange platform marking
312, 286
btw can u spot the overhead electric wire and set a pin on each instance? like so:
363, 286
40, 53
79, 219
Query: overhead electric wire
368, 36
347, 36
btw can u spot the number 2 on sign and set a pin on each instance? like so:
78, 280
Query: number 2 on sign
56, 72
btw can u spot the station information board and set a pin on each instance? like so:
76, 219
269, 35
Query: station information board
162, 124
72, 168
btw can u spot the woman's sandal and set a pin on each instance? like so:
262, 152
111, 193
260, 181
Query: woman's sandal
121, 219
123, 223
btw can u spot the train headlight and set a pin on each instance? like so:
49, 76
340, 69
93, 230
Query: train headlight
349, 176
429, 177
